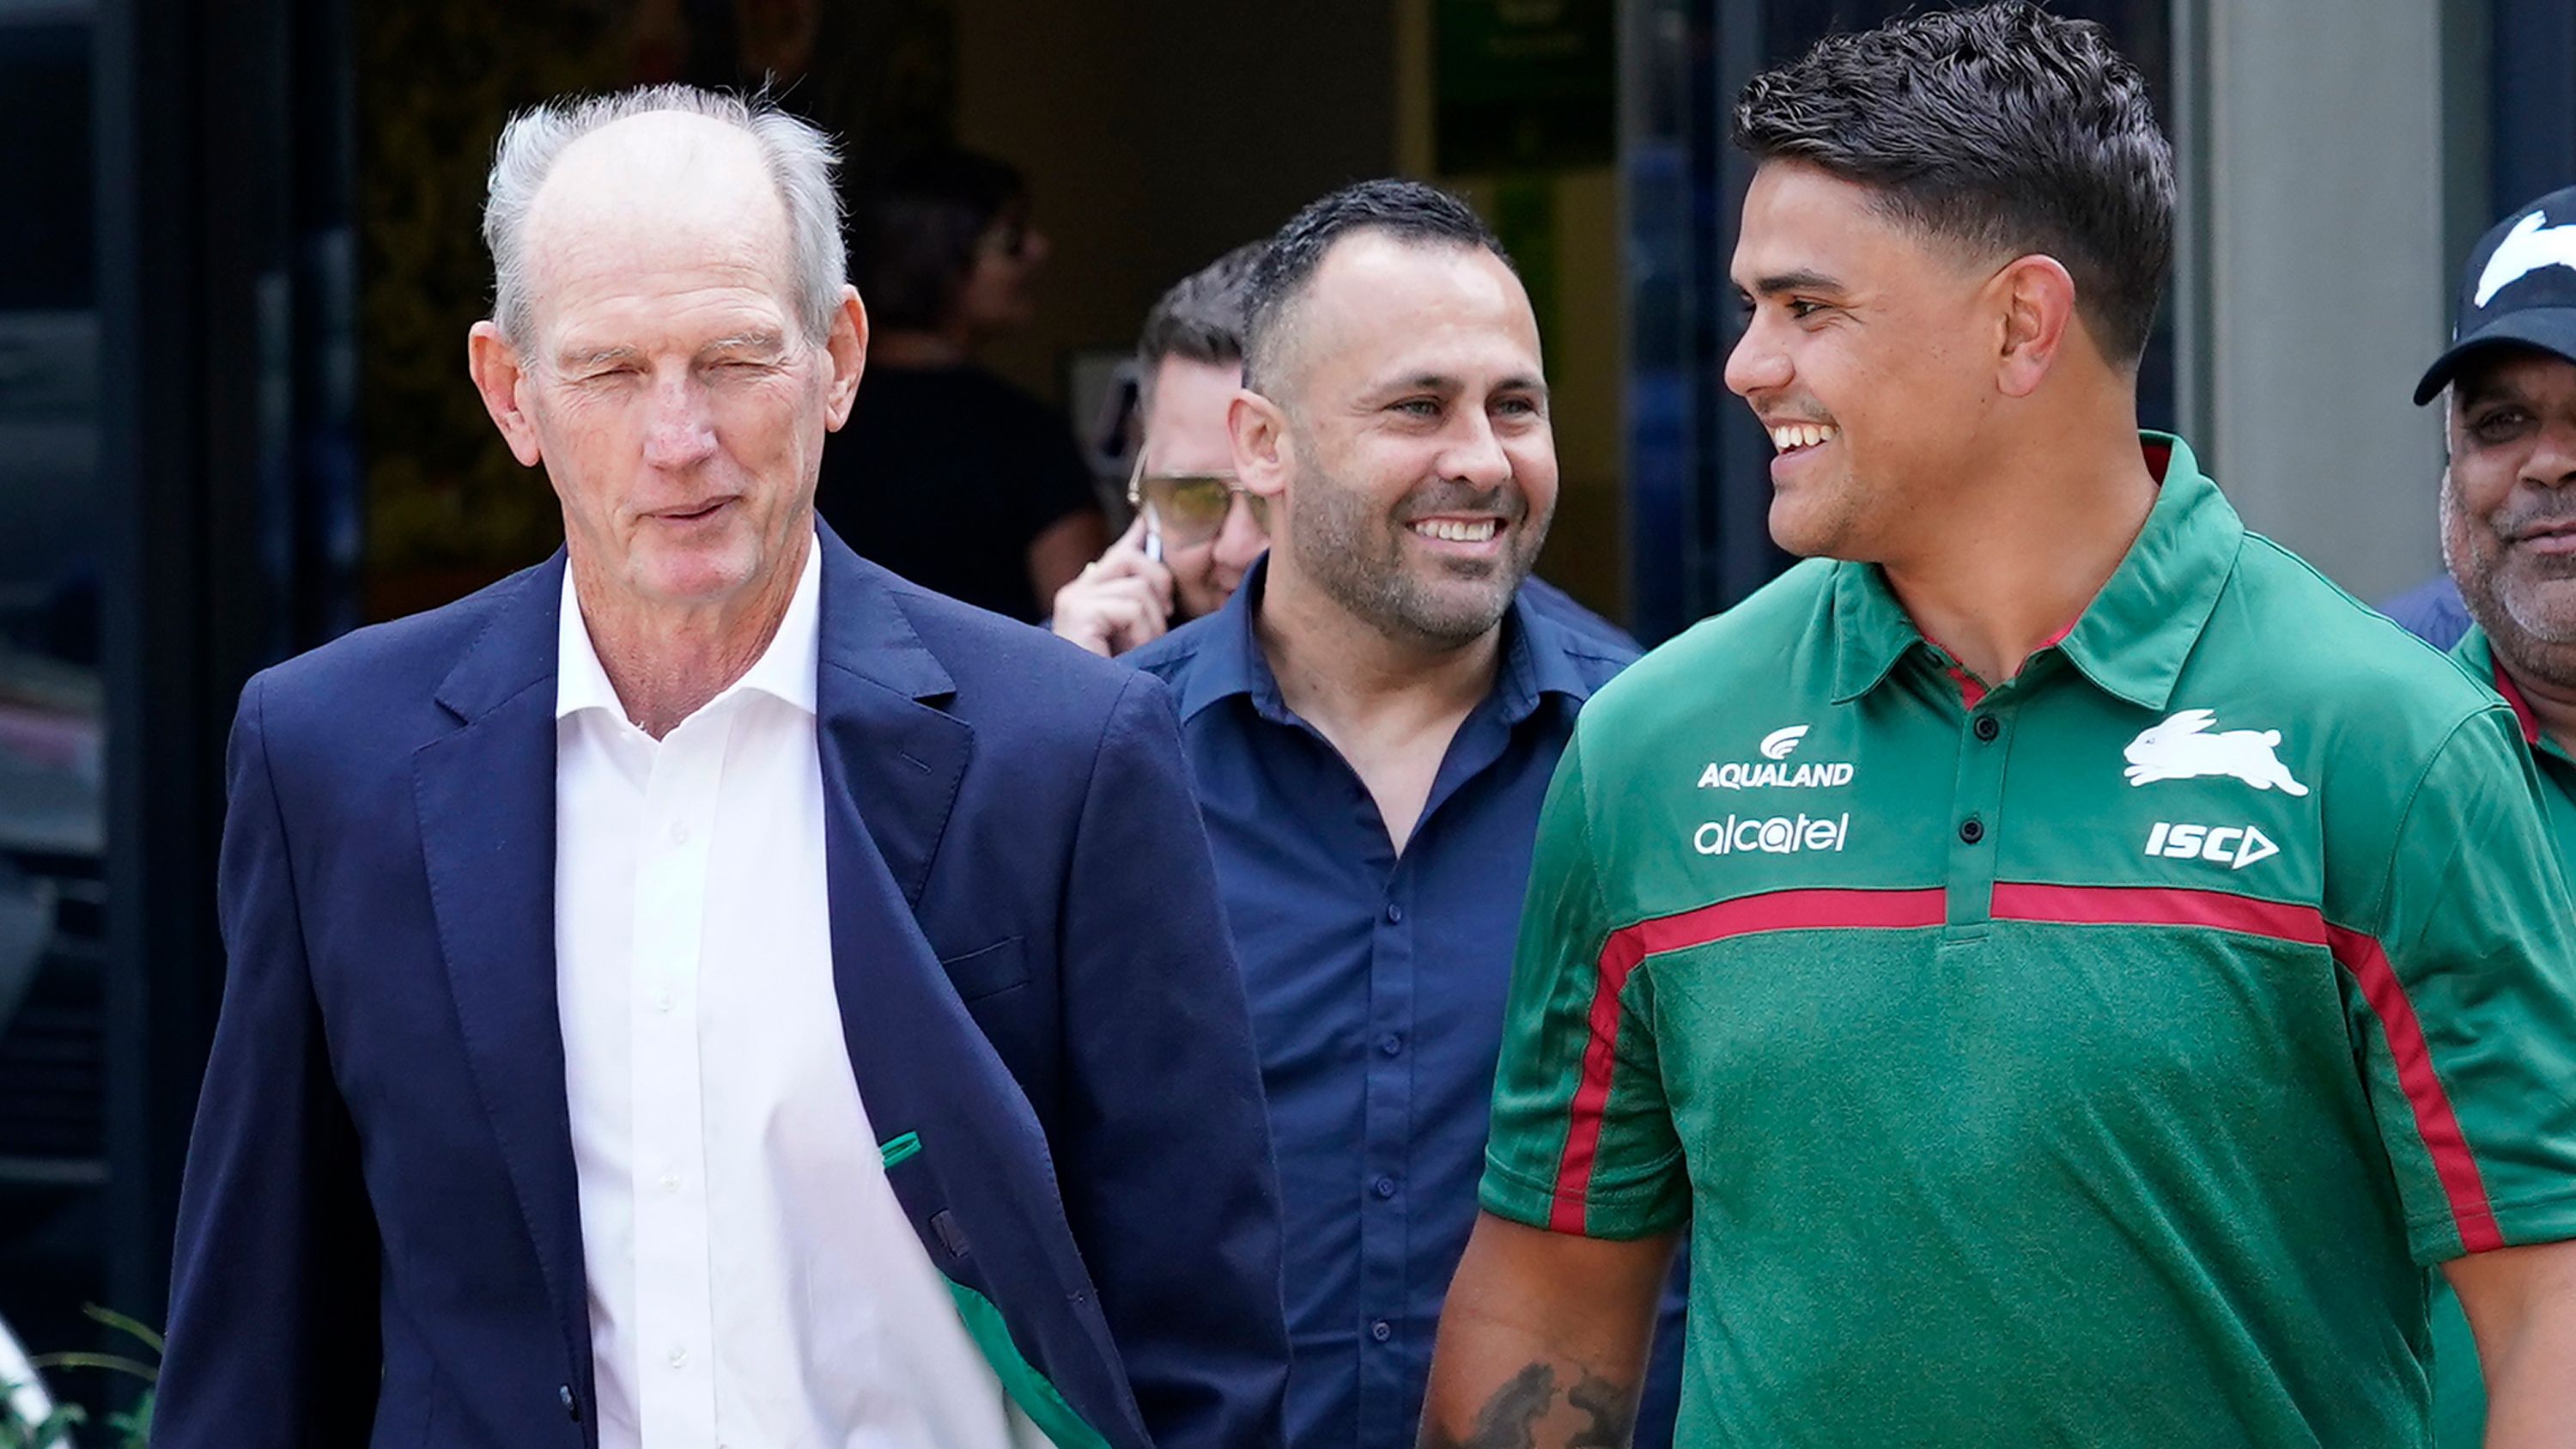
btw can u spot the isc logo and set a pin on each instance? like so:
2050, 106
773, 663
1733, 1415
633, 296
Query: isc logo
2235, 846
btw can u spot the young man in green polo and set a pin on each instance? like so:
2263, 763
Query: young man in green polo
2074, 973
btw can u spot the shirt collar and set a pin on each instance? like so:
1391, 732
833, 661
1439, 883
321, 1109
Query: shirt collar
2477, 651
2131, 640
1536, 660
784, 670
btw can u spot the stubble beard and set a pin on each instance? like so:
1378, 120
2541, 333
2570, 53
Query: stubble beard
2526, 605
1355, 553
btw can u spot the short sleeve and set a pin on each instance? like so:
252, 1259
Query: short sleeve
1581, 1140
2466, 1005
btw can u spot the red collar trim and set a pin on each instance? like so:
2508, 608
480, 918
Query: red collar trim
2522, 714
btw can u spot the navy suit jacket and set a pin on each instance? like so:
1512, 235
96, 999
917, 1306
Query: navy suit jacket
379, 1237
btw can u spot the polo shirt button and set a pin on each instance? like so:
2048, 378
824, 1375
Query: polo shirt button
1381, 1330
1394, 914
1386, 1187
1986, 727
1972, 830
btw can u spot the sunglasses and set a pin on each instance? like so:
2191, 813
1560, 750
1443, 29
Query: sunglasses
1184, 510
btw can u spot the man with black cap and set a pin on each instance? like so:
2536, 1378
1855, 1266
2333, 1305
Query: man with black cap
2509, 539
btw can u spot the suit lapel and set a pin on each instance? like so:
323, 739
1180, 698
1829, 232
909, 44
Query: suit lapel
901, 760
978, 1185
486, 797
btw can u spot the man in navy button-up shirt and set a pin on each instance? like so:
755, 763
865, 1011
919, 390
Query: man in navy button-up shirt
1372, 721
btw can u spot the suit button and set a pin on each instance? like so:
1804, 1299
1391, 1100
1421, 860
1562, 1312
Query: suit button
1986, 727
1972, 830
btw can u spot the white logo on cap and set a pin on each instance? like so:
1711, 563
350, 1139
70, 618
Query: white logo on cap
2527, 248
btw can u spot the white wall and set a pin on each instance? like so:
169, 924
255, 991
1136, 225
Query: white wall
2317, 290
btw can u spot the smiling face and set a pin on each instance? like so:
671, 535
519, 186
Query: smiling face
665, 383
2509, 506
1417, 472
1862, 355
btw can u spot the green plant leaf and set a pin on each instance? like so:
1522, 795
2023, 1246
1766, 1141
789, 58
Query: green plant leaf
130, 1327
112, 1362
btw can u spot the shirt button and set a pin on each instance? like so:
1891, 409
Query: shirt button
679, 832
1986, 727
662, 999
679, 1358
1386, 1187
670, 1182
1381, 1330
1394, 914
1972, 830
1391, 1044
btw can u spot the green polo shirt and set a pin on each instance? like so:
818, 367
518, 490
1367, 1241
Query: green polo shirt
2459, 1392
2099, 1059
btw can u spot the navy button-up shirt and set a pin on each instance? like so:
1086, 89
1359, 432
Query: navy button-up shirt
1376, 980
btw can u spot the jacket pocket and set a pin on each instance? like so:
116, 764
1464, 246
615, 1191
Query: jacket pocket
988, 970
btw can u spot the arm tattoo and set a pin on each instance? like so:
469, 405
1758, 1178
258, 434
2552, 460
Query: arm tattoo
1613, 1411
1510, 1418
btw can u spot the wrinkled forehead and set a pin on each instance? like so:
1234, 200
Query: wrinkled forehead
658, 202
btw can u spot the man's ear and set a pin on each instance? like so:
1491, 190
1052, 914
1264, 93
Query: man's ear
2037, 299
498, 374
1262, 456
848, 346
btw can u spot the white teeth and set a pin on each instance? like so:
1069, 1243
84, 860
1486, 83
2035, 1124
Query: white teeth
1457, 532
1801, 435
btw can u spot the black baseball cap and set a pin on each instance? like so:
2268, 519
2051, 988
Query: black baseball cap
2519, 288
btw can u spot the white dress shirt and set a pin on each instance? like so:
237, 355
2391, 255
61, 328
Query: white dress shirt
753, 1281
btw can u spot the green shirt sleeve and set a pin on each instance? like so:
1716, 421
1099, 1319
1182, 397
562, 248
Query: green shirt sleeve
2464, 1004
1582, 1141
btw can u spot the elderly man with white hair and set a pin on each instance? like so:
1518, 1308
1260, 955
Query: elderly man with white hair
703, 990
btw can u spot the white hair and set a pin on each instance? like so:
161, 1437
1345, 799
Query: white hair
800, 159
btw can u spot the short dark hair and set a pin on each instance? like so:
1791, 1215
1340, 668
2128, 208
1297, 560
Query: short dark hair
2003, 127
914, 225
1406, 210
1199, 320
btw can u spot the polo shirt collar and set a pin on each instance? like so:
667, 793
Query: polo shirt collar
2477, 652
2131, 640
1535, 661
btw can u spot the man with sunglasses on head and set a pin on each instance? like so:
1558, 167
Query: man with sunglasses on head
1371, 721
1196, 531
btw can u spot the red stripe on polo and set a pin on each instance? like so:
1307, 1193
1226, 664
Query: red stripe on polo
2435, 1121
1798, 910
